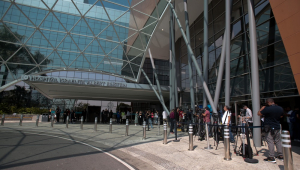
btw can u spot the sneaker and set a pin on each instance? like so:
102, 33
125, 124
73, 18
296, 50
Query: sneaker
270, 159
279, 157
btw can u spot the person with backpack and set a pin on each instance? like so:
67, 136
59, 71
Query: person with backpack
272, 114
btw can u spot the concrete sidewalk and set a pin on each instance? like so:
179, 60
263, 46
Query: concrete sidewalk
151, 153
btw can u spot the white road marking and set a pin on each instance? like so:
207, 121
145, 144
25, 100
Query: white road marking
116, 158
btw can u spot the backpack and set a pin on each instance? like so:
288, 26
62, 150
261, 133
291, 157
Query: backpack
293, 117
172, 115
247, 154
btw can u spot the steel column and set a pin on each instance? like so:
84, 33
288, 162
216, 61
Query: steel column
175, 89
205, 88
205, 47
187, 30
171, 70
254, 75
162, 103
220, 73
227, 51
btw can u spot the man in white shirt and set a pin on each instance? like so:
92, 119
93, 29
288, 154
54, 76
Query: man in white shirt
226, 121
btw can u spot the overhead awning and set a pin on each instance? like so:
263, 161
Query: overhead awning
68, 88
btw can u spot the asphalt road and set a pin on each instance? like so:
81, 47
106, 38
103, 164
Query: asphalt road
21, 150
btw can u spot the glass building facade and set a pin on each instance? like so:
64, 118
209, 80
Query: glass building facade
110, 37
107, 40
275, 74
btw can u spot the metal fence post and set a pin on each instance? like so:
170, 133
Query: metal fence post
37, 120
110, 125
191, 145
127, 126
165, 134
207, 137
226, 144
287, 153
144, 130
67, 122
95, 127
21, 119
52, 120
158, 124
2, 120
81, 123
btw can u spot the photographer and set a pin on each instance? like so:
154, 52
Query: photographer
272, 114
246, 115
226, 121
206, 119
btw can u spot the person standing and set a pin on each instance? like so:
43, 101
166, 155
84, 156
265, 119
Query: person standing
226, 121
136, 117
290, 124
172, 117
188, 118
151, 119
140, 118
72, 115
206, 119
156, 117
84, 114
57, 112
272, 114
65, 115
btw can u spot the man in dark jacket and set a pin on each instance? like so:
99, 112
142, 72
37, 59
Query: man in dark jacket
272, 114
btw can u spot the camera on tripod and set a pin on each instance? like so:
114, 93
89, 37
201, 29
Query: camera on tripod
243, 112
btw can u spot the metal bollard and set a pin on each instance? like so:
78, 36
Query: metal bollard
207, 137
226, 143
144, 130
67, 122
21, 120
52, 120
81, 123
95, 127
110, 125
2, 120
165, 134
287, 153
158, 124
191, 145
37, 120
127, 127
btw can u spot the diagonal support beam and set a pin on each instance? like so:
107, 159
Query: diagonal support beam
156, 77
220, 73
208, 95
161, 101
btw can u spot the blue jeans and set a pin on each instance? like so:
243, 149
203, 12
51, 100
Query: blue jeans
150, 122
230, 134
291, 130
208, 128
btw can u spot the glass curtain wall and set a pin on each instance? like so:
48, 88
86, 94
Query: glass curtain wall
276, 78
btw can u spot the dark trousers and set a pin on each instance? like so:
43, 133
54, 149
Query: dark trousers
274, 139
65, 117
140, 121
172, 125
57, 117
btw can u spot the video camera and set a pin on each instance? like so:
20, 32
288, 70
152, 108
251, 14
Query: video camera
243, 112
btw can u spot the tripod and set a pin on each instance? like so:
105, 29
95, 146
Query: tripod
244, 134
216, 131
